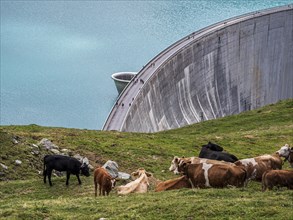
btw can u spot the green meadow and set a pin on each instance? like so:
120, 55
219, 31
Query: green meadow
23, 195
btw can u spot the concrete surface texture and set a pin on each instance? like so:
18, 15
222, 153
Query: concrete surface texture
233, 66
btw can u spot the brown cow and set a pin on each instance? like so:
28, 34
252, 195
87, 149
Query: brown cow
256, 166
140, 185
193, 160
178, 183
277, 178
204, 175
105, 180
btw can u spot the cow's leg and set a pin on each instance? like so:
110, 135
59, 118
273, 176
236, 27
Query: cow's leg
96, 188
67, 177
49, 173
77, 175
100, 190
45, 175
103, 192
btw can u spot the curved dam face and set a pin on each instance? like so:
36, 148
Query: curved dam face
230, 67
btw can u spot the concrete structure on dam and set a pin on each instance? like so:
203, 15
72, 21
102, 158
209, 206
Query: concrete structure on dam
233, 66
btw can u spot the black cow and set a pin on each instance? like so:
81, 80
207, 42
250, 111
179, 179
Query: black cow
63, 163
213, 146
214, 152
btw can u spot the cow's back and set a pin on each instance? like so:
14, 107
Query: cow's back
100, 175
62, 163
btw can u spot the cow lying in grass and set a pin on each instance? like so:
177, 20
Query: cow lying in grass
105, 181
256, 166
279, 178
140, 185
203, 175
215, 152
63, 163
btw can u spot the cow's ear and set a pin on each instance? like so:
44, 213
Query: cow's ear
148, 174
176, 159
134, 173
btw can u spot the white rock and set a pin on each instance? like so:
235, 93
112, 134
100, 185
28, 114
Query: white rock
4, 166
18, 162
55, 151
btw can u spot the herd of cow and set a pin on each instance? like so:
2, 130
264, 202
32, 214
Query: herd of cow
213, 168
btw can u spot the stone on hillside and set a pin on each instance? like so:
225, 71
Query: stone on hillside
55, 151
3, 166
35, 146
14, 141
18, 162
66, 152
47, 144
35, 152
78, 157
91, 167
112, 168
124, 176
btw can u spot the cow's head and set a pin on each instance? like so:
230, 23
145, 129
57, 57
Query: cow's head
213, 147
284, 151
174, 165
140, 172
113, 183
182, 165
84, 169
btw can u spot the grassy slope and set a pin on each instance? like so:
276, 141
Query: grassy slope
245, 135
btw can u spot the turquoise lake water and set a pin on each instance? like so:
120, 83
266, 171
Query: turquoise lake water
57, 56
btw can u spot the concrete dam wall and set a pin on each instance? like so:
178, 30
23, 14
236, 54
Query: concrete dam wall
233, 66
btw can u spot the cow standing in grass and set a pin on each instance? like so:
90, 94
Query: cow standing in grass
105, 181
64, 163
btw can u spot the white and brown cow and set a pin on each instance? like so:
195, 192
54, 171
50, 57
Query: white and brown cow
140, 185
279, 178
177, 183
256, 166
205, 175
193, 160
287, 153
